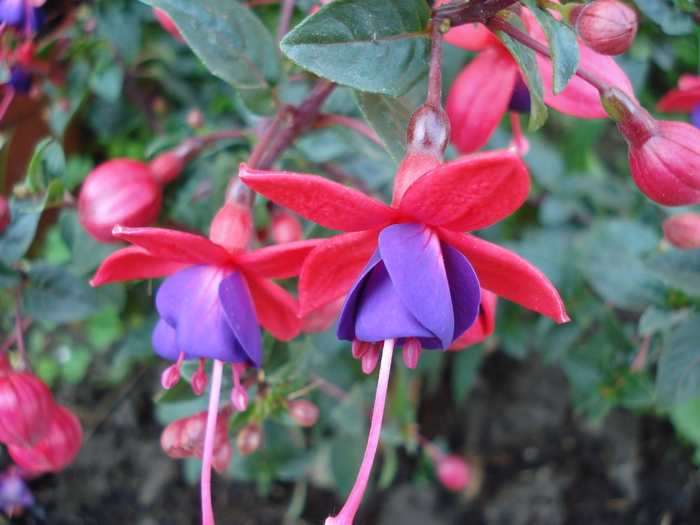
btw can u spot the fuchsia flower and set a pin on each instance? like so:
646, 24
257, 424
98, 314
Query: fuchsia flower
682, 231
684, 99
24, 14
492, 83
483, 325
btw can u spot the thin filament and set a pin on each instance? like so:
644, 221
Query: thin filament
207, 510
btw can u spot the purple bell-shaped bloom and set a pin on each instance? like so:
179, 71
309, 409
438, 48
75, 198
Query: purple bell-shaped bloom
24, 14
206, 311
415, 285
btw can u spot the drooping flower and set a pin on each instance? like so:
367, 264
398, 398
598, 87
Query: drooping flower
684, 99
23, 14
479, 97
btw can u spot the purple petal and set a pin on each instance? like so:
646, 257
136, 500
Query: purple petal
464, 289
12, 12
345, 330
189, 302
238, 306
695, 116
14, 493
413, 257
163, 341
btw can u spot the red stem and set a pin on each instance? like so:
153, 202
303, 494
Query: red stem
435, 79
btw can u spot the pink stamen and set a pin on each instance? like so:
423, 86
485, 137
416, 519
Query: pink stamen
171, 375
347, 513
519, 143
199, 378
207, 510
239, 396
411, 352
370, 359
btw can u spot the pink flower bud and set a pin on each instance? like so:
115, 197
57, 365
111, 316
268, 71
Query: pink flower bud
664, 156
57, 450
119, 191
607, 27
249, 439
26, 408
428, 131
411, 352
184, 438
166, 23
303, 412
683, 231
166, 167
5, 215
452, 471
195, 118
285, 227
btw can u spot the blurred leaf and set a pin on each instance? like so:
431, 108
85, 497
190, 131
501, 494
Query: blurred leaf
389, 119
678, 376
655, 319
107, 82
8, 277
678, 269
55, 295
346, 457
47, 164
87, 253
371, 45
562, 45
686, 421
527, 60
672, 21
232, 43
121, 25
19, 235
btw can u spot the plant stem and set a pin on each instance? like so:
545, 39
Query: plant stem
347, 513
470, 12
213, 412
23, 363
435, 78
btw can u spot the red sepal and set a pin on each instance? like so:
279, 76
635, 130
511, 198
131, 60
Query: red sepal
276, 309
279, 261
133, 263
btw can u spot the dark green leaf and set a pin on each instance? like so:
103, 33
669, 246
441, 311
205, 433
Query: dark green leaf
371, 45
678, 269
528, 63
389, 119
87, 254
55, 295
686, 422
678, 377
562, 45
672, 21
655, 319
232, 43
47, 164
19, 235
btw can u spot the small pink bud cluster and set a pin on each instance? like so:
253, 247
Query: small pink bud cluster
664, 156
682, 231
41, 435
184, 438
125, 192
607, 27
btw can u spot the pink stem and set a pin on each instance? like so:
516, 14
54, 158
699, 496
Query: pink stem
435, 77
285, 18
207, 510
347, 513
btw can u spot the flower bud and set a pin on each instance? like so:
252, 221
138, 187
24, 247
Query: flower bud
428, 131
607, 27
664, 156
303, 412
249, 439
232, 226
5, 215
118, 192
57, 450
166, 167
26, 408
452, 471
184, 438
195, 118
166, 23
285, 227
683, 231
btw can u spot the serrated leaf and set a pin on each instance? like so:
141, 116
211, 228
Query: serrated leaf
678, 269
678, 377
378, 46
562, 45
232, 43
527, 60
389, 118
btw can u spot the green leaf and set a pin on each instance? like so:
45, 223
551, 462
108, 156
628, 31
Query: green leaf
371, 45
389, 119
87, 254
19, 235
686, 421
47, 165
232, 43
678, 377
678, 269
527, 59
562, 45
671, 20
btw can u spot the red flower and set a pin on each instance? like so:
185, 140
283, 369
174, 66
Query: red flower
463, 195
684, 99
492, 82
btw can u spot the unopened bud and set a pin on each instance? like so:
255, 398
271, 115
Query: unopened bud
249, 439
195, 118
118, 192
452, 471
57, 450
303, 412
285, 227
5, 215
683, 231
26, 408
428, 131
607, 27
411, 352
166, 167
239, 398
166, 23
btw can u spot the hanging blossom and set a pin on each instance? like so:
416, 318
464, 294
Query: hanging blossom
492, 83
684, 99
214, 301
25, 15
414, 278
